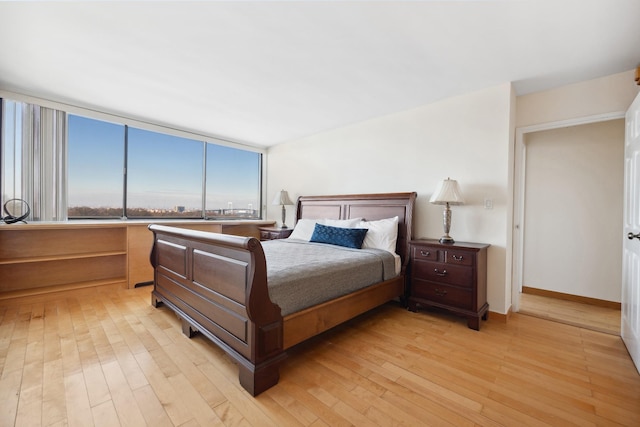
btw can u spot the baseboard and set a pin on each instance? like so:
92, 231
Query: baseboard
499, 317
569, 297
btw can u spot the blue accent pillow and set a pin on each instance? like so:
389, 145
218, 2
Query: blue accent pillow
347, 237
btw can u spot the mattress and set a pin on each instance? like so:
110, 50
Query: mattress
303, 274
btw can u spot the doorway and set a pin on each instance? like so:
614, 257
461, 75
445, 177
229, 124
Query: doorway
568, 204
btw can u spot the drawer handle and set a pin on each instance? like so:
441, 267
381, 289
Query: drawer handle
440, 273
440, 293
425, 253
458, 258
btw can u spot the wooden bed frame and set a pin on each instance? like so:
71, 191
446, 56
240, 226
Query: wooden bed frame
217, 285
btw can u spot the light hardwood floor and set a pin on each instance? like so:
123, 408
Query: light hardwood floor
109, 358
588, 316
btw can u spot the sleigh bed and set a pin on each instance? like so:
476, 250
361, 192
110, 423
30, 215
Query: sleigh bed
218, 284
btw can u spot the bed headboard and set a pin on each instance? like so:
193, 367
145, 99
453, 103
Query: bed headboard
371, 207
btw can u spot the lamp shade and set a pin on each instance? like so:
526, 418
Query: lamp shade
282, 198
447, 191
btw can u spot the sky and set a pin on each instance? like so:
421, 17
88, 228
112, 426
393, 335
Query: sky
163, 170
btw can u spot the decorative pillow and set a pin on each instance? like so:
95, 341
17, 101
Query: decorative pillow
382, 234
304, 227
347, 237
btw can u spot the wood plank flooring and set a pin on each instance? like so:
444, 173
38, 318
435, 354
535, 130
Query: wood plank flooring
108, 358
588, 316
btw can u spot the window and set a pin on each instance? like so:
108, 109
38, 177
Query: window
11, 150
95, 172
33, 158
233, 183
117, 171
164, 175
70, 166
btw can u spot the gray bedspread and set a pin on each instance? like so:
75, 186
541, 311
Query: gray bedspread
302, 274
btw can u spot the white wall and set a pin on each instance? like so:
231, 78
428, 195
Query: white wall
467, 138
608, 94
573, 210
582, 102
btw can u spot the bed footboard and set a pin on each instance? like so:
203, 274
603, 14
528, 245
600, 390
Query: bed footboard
217, 285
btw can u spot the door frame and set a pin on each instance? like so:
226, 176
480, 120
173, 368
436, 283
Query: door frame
519, 177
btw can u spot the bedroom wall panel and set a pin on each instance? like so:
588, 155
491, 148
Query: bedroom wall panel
613, 93
608, 96
466, 138
573, 215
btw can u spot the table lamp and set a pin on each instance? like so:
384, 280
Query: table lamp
282, 198
447, 193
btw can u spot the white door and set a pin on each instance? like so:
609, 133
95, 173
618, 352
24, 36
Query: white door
630, 326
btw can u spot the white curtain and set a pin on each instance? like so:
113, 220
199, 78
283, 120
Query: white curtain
34, 152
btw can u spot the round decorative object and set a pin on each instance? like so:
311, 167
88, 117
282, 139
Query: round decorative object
16, 210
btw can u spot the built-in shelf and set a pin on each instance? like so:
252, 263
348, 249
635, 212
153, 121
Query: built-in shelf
38, 258
120, 281
60, 257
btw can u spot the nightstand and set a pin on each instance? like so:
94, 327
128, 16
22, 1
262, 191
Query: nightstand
273, 233
449, 276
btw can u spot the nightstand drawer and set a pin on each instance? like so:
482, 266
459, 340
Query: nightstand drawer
443, 273
425, 253
459, 257
442, 294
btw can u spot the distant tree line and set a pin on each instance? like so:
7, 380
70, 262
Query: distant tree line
90, 212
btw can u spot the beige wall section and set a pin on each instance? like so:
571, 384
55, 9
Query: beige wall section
579, 103
610, 94
573, 210
466, 138
469, 138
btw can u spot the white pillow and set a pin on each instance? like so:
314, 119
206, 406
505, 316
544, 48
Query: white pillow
344, 223
304, 227
382, 234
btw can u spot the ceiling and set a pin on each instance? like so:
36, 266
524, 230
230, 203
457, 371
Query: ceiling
262, 73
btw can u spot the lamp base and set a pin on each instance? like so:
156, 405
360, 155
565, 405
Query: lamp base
284, 217
446, 217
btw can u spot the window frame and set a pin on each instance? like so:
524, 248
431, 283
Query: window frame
153, 127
